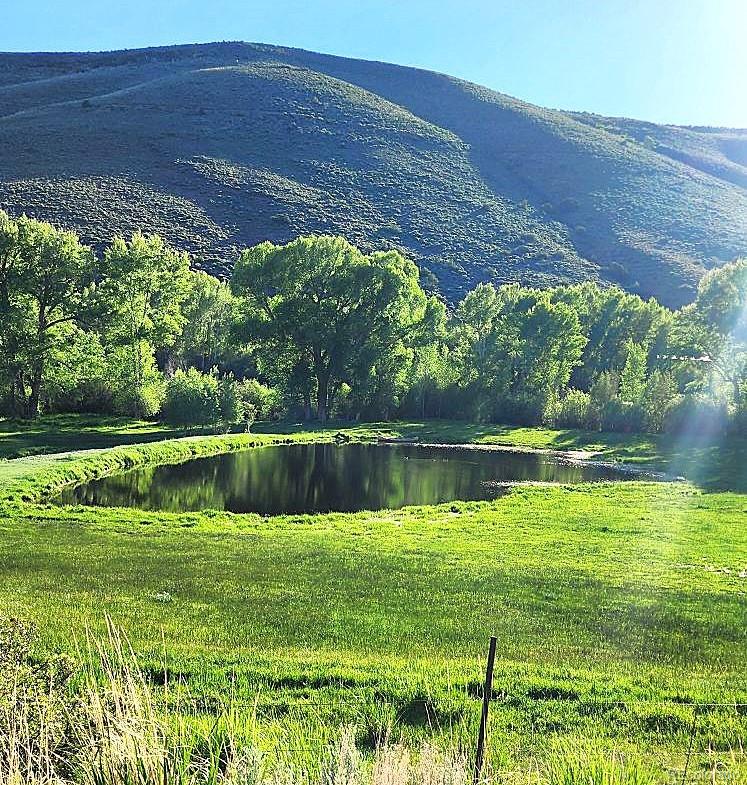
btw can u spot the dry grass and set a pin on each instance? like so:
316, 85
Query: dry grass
116, 735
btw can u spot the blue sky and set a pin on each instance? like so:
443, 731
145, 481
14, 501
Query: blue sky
676, 61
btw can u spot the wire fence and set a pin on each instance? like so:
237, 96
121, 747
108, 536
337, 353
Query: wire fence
698, 732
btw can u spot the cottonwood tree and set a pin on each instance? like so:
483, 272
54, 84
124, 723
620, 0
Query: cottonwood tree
145, 285
610, 318
714, 328
516, 347
207, 311
46, 286
333, 314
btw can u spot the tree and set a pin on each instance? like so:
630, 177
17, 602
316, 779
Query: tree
516, 349
46, 285
145, 285
659, 397
714, 328
633, 376
333, 314
207, 311
472, 337
609, 318
552, 344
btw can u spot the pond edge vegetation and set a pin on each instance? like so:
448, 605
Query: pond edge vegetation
50, 474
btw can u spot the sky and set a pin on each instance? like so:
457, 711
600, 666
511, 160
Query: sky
670, 61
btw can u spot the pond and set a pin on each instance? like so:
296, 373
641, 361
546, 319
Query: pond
325, 477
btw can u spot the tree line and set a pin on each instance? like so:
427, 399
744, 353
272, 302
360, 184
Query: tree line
318, 329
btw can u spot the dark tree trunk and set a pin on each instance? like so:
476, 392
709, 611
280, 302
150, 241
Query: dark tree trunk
306, 407
32, 404
322, 396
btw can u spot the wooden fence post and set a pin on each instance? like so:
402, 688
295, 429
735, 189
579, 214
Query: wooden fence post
486, 696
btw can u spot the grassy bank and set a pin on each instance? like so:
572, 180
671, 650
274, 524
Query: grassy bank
616, 606
712, 463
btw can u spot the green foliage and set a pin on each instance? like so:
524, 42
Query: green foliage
265, 402
659, 398
633, 374
516, 350
337, 332
46, 285
207, 311
231, 407
329, 315
137, 383
192, 399
715, 326
144, 287
574, 411
195, 399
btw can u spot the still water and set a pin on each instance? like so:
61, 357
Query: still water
323, 477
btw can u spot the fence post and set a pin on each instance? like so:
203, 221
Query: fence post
486, 696
691, 744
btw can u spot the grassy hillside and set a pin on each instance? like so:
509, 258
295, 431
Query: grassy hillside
222, 145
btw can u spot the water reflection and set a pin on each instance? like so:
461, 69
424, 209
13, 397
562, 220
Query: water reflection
322, 477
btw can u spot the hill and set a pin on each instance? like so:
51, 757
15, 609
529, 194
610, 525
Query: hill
217, 146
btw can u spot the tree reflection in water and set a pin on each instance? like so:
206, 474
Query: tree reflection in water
324, 477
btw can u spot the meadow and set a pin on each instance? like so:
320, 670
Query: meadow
618, 607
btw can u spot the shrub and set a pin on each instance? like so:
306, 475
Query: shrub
267, 401
622, 417
195, 399
522, 409
696, 416
574, 411
192, 399
659, 396
143, 401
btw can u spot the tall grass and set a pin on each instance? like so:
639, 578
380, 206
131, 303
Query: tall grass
105, 725
117, 733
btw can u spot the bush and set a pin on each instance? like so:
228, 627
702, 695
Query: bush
192, 399
195, 399
522, 409
696, 416
623, 417
574, 411
144, 401
266, 401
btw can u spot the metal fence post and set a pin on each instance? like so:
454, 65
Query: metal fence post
486, 696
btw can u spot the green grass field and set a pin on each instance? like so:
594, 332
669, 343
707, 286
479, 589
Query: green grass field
616, 606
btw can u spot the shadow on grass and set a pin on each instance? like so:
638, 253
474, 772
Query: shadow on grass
65, 432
